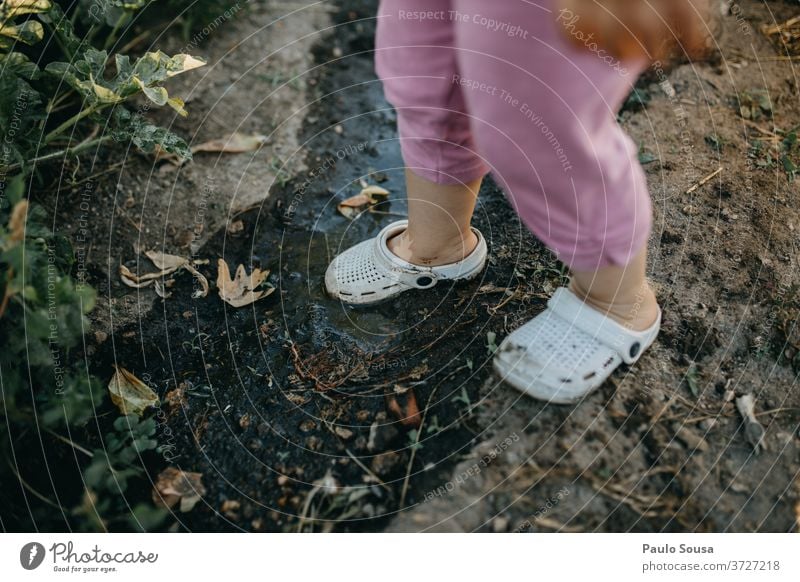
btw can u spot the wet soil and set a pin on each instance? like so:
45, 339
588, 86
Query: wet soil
301, 413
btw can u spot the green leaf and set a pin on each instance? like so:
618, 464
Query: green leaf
19, 65
58, 21
146, 136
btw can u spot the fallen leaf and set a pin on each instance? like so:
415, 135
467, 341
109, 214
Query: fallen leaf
408, 415
235, 143
203, 290
161, 288
240, 290
174, 485
131, 279
16, 224
375, 192
130, 394
368, 197
167, 263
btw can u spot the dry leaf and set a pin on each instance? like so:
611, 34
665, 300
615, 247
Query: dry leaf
240, 290
167, 263
161, 288
203, 291
369, 196
174, 485
410, 417
132, 280
130, 394
233, 144
16, 223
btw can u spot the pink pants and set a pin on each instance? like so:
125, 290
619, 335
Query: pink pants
495, 85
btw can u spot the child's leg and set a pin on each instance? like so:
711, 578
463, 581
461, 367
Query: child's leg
549, 131
416, 60
439, 218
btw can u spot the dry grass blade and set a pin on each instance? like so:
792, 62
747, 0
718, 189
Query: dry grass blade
235, 143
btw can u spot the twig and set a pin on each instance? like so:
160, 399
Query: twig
367, 470
754, 125
29, 488
705, 180
74, 445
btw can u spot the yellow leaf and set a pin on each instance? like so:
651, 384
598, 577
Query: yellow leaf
129, 394
186, 63
104, 94
178, 105
19, 7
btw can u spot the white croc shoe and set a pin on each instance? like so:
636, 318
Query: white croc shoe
568, 351
369, 272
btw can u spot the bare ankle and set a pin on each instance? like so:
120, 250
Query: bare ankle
636, 309
428, 252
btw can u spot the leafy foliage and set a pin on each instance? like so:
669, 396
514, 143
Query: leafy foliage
61, 80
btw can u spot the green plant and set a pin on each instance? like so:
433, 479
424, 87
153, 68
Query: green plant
66, 89
784, 153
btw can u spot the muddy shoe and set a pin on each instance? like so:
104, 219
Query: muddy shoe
568, 351
369, 272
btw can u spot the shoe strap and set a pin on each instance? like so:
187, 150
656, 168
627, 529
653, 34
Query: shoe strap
418, 276
627, 343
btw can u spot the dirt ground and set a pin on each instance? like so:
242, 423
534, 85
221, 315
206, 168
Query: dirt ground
289, 407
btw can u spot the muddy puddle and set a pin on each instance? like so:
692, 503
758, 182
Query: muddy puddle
302, 413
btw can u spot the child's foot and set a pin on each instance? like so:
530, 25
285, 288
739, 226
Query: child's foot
371, 272
570, 349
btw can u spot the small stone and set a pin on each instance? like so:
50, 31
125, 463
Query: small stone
499, 524
384, 463
308, 425
236, 227
343, 433
230, 507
